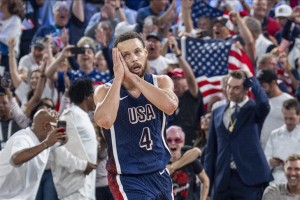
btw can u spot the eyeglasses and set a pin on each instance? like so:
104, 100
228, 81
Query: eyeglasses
176, 140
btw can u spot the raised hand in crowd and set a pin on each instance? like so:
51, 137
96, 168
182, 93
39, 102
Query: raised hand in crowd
295, 17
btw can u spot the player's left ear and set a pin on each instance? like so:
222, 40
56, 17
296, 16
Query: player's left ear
146, 51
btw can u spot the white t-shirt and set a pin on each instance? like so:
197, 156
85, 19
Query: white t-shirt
21, 182
274, 119
159, 65
281, 144
28, 62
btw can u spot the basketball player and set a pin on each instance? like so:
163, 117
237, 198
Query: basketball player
132, 111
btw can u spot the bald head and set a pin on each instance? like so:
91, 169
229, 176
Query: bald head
43, 116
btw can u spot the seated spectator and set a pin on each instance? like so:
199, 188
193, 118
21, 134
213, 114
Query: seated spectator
289, 190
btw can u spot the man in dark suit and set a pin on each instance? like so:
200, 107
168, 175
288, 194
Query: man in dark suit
234, 159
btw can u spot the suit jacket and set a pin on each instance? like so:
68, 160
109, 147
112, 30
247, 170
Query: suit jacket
243, 143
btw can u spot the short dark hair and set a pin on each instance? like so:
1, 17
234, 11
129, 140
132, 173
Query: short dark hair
266, 76
238, 74
80, 89
291, 104
127, 36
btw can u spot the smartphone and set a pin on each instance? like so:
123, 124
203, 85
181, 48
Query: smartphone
62, 124
77, 50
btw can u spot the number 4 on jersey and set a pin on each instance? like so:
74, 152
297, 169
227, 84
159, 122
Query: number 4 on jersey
146, 141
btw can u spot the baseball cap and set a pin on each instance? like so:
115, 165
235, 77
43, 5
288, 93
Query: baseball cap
177, 72
154, 35
38, 42
225, 22
283, 11
266, 76
123, 27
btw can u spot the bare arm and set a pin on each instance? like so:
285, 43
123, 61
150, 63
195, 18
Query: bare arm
51, 69
162, 96
187, 15
204, 184
119, 11
246, 35
25, 155
13, 68
107, 99
78, 10
189, 74
166, 15
38, 91
188, 157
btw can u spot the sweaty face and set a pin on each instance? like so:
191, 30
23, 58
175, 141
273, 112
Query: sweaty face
292, 173
135, 55
291, 118
235, 90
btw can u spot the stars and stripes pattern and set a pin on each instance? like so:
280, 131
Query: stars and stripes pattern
202, 9
211, 60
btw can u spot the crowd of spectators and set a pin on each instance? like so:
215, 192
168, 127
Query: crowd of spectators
39, 66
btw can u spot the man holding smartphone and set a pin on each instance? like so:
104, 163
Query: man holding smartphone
284, 141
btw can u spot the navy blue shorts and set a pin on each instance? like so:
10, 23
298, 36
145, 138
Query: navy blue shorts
157, 185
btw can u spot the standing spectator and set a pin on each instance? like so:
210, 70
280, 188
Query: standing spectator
70, 183
190, 107
85, 62
268, 81
234, 160
8, 126
260, 11
284, 141
64, 18
30, 24
10, 20
184, 178
132, 110
291, 189
282, 13
31, 61
25, 156
157, 63
155, 8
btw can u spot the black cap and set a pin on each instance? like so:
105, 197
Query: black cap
38, 42
154, 35
266, 76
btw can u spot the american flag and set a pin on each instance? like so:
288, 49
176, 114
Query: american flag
202, 9
211, 60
